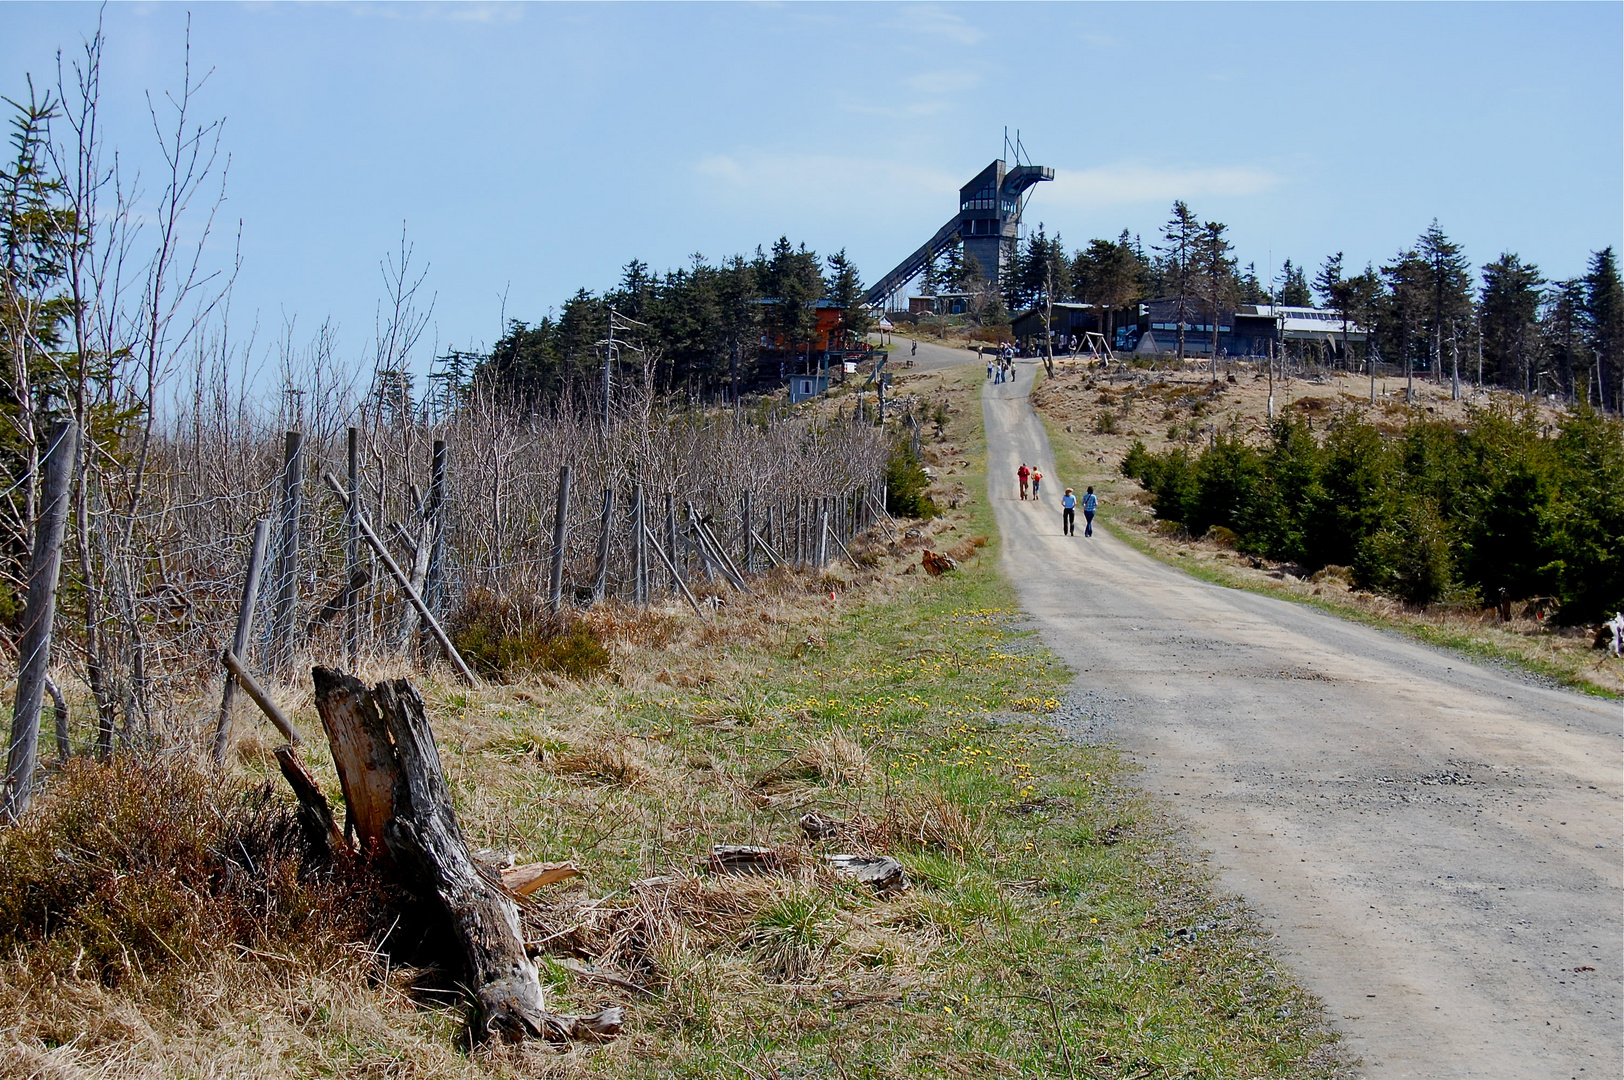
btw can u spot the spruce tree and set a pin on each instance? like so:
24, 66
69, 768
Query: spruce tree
846, 292
1292, 287
1449, 281
1509, 311
1178, 250
1562, 334
1604, 327
1216, 272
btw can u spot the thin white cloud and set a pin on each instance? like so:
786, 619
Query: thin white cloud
944, 82
1136, 182
799, 180
476, 11
934, 22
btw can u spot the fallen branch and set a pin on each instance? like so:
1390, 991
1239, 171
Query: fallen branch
524, 880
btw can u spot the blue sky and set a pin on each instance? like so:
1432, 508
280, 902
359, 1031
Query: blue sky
532, 150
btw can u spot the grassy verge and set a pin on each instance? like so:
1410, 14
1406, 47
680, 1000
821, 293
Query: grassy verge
1087, 455
1055, 924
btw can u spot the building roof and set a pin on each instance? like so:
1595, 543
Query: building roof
1299, 320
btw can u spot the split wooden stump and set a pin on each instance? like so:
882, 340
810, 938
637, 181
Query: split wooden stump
399, 806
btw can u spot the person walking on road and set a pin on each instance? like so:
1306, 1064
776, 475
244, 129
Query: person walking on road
913, 350
1037, 478
1068, 514
1090, 505
1022, 473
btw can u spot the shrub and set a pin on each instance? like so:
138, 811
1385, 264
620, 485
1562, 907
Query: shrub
125, 869
1410, 559
503, 636
1430, 513
907, 488
1138, 461
1106, 424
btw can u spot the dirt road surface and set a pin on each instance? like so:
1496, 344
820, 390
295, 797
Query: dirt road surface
1435, 844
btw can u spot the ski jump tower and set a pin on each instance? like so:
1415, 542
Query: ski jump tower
988, 224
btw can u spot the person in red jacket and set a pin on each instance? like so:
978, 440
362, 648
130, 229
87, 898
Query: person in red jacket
1022, 473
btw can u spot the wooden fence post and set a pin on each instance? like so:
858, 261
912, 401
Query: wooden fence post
744, 532
39, 612
287, 572
561, 513
352, 558
245, 630
434, 582
672, 562
639, 548
823, 533
602, 577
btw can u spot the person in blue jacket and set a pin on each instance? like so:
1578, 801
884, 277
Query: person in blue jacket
1090, 504
1068, 514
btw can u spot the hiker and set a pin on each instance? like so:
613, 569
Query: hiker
1090, 504
913, 350
1068, 514
989, 369
1022, 473
1037, 478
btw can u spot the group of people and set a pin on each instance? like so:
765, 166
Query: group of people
1031, 480
1068, 512
1032, 476
1000, 362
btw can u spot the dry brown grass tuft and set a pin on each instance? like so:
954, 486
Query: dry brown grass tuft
609, 762
931, 821
833, 758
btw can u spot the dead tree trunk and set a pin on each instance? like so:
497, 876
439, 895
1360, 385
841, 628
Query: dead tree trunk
396, 791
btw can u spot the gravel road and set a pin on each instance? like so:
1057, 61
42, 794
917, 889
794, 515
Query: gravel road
1436, 845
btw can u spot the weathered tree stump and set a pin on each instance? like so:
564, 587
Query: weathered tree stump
397, 795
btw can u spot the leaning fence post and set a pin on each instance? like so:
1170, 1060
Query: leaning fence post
561, 513
287, 573
749, 548
672, 566
39, 612
602, 577
245, 629
405, 584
